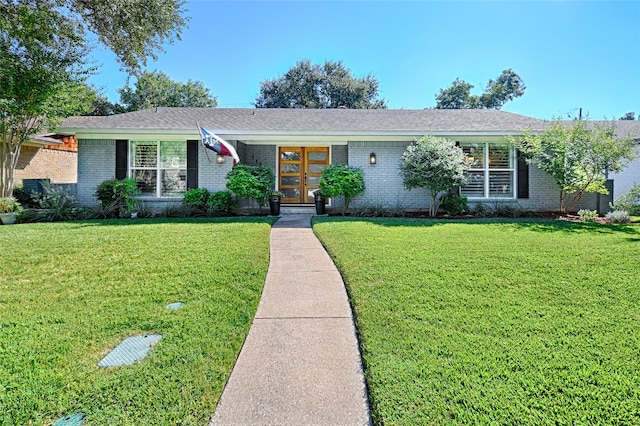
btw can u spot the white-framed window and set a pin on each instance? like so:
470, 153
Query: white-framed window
159, 167
492, 170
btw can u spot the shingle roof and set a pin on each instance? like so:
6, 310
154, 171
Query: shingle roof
312, 120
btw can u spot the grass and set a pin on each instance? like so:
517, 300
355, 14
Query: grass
70, 292
494, 322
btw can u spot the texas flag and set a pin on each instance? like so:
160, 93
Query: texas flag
219, 145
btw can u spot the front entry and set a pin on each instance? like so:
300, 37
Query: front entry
300, 170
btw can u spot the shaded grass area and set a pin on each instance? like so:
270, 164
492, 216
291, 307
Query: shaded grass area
70, 292
494, 322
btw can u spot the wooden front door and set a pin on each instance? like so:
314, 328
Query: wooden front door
300, 170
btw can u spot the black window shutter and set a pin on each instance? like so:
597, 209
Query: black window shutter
122, 148
523, 176
192, 164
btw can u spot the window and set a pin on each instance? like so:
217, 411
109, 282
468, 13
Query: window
491, 174
159, 168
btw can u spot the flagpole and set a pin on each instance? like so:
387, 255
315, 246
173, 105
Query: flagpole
206, 151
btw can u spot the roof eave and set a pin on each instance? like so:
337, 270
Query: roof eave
109, 133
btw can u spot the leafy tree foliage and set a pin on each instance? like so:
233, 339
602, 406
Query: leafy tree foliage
43, 44
577, 156
251, 182
319, 86
340, 180
629, 116
505, 88
155, 88
435, 164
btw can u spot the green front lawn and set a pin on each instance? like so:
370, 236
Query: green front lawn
70, 292
494, 322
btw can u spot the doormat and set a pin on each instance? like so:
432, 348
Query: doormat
75, 419
176, 305
130, 350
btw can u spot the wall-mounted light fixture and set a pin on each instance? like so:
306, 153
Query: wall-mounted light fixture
372, 158
220, 159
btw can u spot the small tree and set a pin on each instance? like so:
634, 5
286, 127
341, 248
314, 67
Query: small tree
577, 157
435, 164
341, 180
251, 182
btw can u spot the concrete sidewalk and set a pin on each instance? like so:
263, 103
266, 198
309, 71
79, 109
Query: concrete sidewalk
300, 364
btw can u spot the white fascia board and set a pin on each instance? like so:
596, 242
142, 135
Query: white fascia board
278, 136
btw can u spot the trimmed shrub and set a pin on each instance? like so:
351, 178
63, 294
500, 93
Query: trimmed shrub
454, 204
341, 180
251, 182
221, 203
195, 202
196, 198
117, 196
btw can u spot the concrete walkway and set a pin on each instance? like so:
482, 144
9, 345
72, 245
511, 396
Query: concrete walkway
300, 364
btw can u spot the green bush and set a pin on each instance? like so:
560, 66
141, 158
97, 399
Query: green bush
629, 201
251, 182
24, 197
117, 196
221, 203
588, 215
340, 180
195, 201
454, 204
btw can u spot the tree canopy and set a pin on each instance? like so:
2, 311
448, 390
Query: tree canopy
340, 180
43, 46
319, 86
505, 88
155, 88
433, 163
577, 156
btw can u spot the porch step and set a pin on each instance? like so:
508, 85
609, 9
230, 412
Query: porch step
297, 210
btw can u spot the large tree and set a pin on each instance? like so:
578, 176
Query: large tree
155, 88
319, 86
43, 46
433, 163
506, 87
577, 155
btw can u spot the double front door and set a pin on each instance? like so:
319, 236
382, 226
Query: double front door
300, 170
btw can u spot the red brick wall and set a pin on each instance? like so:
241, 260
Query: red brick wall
59, 165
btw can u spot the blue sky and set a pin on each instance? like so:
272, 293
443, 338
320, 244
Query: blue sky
570, 54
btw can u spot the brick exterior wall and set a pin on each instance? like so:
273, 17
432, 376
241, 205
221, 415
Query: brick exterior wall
384, 186
211, 175
382, 180
339, 154
42, 163
96, 163
262, 155
96, 159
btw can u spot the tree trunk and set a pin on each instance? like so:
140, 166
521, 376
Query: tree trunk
433, 208
9, 153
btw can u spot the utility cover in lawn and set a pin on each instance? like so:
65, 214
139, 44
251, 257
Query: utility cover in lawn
130, 350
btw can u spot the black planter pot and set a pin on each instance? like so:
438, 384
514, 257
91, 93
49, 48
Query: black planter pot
320, 206
274, 206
